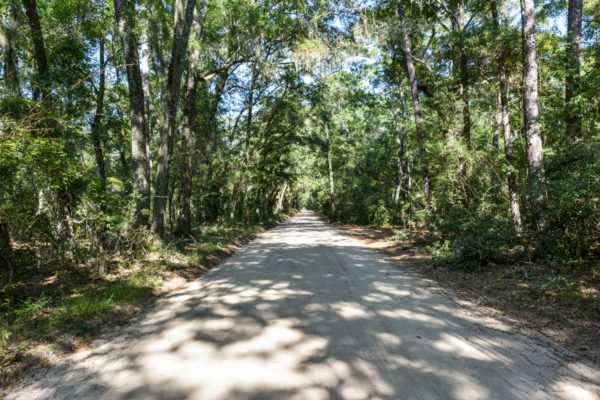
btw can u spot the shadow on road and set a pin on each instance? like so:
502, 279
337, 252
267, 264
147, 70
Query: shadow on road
304, 312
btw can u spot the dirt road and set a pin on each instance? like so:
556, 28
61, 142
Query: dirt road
304, 312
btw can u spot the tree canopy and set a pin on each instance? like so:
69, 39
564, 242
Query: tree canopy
475, 123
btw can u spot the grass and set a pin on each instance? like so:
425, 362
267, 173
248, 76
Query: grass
48, 306
45, 318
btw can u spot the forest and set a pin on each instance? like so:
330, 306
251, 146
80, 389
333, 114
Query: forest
141, 137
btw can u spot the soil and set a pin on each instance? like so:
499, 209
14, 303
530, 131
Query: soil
509, 291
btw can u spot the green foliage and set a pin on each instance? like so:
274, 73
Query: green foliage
77, 313
573, 209
471, 238
31, 308
379, 214
80, 302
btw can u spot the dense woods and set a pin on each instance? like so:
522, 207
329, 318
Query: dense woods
128, 126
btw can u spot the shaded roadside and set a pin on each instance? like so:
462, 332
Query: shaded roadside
529, 295
59, 311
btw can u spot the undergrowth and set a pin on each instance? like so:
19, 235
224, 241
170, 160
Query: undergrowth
45, 304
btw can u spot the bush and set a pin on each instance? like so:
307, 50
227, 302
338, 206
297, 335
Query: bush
379, 215
572, 215
473, 238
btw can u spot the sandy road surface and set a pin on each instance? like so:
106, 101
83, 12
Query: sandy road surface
304, 312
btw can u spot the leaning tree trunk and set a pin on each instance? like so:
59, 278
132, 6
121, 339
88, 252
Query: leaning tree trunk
139, 124
572, 84
507, 133
181, 33
281, 199
531, 113
412, 77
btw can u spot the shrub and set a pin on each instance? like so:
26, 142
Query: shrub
379, 215
572, 212
473, 238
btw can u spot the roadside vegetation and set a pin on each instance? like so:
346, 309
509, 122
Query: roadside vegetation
60, 307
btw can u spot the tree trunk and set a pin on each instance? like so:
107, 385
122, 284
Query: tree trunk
531, 112
212, 123
399, 163
122, 149
145, 66
412, 77
121, 134
507, 133
330, 171
572, 86
281, 199
11, 77
6, 253
96, 128
184, 221
497, 123
145, 71
139, 124
250, 107
406, 178
181, 32
234, 199
40, 87
402, 169
461, 69
41, 91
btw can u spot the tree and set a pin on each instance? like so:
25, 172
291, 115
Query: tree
139, 124
414, 90
329, 168
96, 128
531, 113
507, 132
181, 29
184, 222
40, 89
271, 107
403, 178
11, 77
460, 66
573, 62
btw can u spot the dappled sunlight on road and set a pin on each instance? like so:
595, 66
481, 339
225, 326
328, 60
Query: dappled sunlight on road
304, 312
